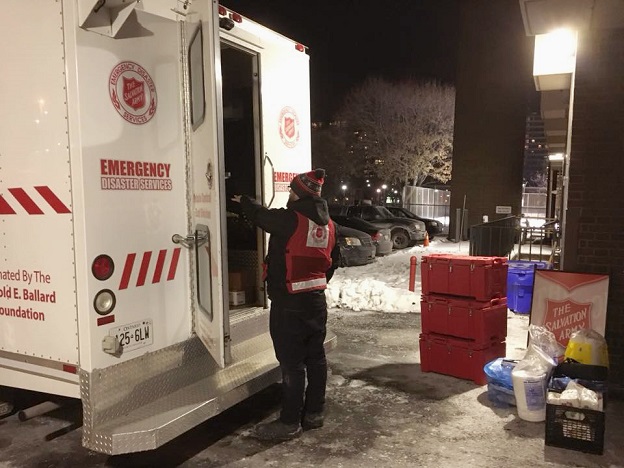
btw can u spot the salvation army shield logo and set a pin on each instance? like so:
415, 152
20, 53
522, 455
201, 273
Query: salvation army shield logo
563, 318
289, 127
318, 236
132, 92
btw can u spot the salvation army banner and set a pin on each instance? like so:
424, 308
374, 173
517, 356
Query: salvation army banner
565, 302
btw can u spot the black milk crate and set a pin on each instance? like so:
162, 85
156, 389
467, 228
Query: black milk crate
575, 428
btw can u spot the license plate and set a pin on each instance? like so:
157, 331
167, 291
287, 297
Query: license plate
134, 335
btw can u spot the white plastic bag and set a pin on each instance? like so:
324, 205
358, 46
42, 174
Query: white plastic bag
546, 341
530, 376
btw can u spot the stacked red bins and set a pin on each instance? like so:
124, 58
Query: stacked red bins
463, 314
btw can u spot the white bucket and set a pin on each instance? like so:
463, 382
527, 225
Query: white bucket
530, 393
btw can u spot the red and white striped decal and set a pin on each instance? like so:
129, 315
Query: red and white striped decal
146, 261
31, 206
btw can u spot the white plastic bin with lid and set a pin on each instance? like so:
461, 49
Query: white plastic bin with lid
530, 376
530, 392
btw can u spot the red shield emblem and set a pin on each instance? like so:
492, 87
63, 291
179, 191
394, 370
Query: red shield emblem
565, 317
289, 127
134, 92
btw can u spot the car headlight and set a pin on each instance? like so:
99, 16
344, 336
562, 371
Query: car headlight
416, 227
353, 241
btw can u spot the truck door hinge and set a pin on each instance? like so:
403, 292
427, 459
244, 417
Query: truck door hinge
209, 175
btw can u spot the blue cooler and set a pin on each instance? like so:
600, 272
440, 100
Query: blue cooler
500, 386
520, 275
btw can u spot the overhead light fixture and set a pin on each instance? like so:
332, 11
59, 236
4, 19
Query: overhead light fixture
554, 60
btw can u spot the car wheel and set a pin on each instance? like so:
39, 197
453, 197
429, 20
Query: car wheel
400, 239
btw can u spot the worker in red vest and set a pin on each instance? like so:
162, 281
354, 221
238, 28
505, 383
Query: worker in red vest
301, 259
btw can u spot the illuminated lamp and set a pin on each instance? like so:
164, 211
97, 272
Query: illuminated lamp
554, 60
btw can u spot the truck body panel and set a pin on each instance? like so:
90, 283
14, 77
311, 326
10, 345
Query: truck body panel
125, 127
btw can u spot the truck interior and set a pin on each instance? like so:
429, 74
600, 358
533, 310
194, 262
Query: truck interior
241, 114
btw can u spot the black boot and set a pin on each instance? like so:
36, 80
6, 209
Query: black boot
313, 421
277, 430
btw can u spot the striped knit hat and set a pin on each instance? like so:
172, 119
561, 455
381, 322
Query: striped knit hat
308, 184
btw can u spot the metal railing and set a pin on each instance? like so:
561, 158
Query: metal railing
539, 243
507, 238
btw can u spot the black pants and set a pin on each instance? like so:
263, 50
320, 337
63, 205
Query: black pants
298, 329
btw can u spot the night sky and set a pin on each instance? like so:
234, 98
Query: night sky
349, 40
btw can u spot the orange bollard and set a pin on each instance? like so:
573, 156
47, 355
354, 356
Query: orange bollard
426, 243
412, 277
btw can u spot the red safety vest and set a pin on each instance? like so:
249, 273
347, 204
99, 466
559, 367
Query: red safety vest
308, 255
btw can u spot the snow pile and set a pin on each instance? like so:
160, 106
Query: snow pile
383, 286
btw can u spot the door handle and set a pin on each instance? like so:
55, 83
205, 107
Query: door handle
194, 240
266, 158
187, 241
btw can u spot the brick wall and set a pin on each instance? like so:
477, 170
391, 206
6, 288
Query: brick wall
594, 233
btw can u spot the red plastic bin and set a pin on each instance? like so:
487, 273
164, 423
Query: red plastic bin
482, 278
456, 357
482, 322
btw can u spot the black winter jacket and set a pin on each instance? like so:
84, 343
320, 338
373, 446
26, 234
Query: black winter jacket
281, 223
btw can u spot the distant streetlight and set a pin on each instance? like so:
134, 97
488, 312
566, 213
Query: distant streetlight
344, 187
344, 193
384, 186
556, 157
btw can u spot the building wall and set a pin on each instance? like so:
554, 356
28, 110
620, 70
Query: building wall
594, 231
494, 86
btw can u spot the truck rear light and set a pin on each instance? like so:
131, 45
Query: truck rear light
300, 47
222, 10
104, 302
236, 17
69, 368
103, 267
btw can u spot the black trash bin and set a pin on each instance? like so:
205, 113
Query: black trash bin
494, 238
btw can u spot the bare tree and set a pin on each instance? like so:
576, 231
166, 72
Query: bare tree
408, 127
330, 152
538, 179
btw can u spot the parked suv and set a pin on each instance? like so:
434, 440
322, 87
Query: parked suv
404, 232
433, 227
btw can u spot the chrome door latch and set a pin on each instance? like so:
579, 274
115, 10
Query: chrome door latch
194, 240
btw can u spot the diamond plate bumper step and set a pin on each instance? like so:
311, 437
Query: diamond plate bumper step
123, 425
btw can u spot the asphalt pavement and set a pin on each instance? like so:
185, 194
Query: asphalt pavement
383, 411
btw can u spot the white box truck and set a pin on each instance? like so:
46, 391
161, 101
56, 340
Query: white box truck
125, 126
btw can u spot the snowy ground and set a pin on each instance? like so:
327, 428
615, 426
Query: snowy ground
383, 286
